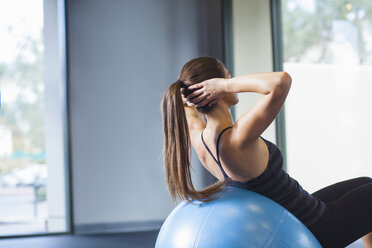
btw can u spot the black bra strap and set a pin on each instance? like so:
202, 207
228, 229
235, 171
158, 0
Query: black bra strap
208, 148
218, 141
217, 161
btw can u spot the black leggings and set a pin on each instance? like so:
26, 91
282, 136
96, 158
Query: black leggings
348, 215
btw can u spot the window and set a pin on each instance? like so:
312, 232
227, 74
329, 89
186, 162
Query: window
327, 49
32, 151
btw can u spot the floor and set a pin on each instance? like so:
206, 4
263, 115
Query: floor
122, 240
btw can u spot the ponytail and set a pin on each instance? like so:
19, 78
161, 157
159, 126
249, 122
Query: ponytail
177, 150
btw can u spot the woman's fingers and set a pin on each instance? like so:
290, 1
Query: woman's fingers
198, 99
195, 93
195, 86
202, 103
203, 94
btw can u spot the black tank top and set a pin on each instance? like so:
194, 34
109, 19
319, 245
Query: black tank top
277, 185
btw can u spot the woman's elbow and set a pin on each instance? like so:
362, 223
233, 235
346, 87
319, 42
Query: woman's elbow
286, 78
285, 81
283, 85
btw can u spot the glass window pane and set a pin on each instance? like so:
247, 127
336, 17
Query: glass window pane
328, 52
25, 206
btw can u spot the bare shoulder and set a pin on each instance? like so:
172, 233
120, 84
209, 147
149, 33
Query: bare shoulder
245, 161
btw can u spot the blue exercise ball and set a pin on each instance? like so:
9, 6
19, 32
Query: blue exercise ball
237, 218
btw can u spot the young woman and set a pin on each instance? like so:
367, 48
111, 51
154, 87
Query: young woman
197, 109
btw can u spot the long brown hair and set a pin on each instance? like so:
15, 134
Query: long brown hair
177, 148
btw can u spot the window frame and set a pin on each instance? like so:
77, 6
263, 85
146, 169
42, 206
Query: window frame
62, 79
277, 43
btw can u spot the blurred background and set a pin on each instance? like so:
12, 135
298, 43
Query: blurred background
81, 83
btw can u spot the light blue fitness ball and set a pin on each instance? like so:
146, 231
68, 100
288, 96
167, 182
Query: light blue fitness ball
237, 218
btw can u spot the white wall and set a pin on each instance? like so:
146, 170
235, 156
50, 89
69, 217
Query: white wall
252, 49
122, 56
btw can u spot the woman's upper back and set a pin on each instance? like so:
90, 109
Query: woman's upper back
274, 160
239, 163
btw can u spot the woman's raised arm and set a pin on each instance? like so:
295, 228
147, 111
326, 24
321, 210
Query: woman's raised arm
273, 85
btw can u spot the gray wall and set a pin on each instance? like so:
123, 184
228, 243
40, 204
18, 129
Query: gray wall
122, 55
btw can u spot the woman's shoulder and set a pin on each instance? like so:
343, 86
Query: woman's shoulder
240, 163
246, 162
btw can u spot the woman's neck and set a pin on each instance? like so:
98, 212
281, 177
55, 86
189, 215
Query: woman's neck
218, 118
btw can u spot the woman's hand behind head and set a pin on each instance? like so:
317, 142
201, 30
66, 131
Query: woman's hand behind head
207, 92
